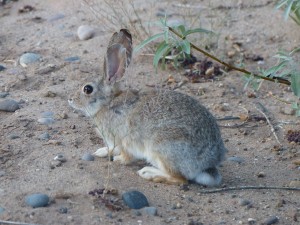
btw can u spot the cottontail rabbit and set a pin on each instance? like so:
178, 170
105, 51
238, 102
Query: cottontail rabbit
171, 131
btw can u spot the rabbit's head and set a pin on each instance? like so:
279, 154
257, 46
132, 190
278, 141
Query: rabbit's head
94, 95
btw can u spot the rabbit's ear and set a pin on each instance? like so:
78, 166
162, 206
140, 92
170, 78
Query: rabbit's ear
118, 55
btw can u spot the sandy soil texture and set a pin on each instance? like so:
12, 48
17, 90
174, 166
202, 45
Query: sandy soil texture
250, 32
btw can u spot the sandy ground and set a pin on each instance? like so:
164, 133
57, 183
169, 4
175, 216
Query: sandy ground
26, 162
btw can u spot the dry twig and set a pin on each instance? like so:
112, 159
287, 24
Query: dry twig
218, 190
268, 120
15, 223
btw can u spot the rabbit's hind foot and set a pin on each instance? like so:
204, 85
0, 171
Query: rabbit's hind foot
159, 176
209, 177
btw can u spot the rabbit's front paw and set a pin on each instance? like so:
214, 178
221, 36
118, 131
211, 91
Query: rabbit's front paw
101, 152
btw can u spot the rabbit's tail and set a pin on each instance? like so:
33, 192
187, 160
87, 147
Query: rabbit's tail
209, 177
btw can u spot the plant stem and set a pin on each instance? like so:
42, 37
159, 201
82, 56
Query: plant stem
277, 79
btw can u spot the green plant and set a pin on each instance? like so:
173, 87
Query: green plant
291, 8
171, 47
286, 71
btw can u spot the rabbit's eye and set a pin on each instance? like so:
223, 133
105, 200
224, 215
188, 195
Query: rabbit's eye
88, 89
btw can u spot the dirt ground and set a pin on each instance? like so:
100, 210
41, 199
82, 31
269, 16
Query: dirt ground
256, 157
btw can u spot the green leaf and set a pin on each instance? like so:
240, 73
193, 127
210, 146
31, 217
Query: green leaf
181, 28
288, 9
186, 47
280, 4
295, 83
147, 41
161, 49
197, 30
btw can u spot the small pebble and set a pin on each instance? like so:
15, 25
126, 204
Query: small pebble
244, 202
9, 105
88, 157
14, 136
236, 159
37, 200
3, 94
1, 210
260, 174
44, 136
85, 32
46, 121
56, 17
47, 114
63, 210
72, 59
152, 211
135, 199
61, 158
29, 58
2, 68
271, 220
251, 221
2, 173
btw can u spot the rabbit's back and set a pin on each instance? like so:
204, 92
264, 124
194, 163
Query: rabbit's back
179, 129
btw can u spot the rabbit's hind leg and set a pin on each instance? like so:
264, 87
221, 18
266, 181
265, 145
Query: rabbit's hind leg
124, 157
160, 176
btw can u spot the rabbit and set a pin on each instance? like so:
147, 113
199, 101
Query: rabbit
172, 131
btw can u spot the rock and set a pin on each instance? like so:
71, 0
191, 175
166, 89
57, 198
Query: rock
295, 183
9, 105
14, 136
1, 210
236, 159
251, 221
63, 210
3, 94
29, 58
2, 68
135, 199
88, 157
260, 174
46, 121
47, 69
60, 158
244, 202
85, 32
2, 173
72, 59
44, 136
136, 212
56, 17
47, 114
152, 211
37, 200
271, 220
